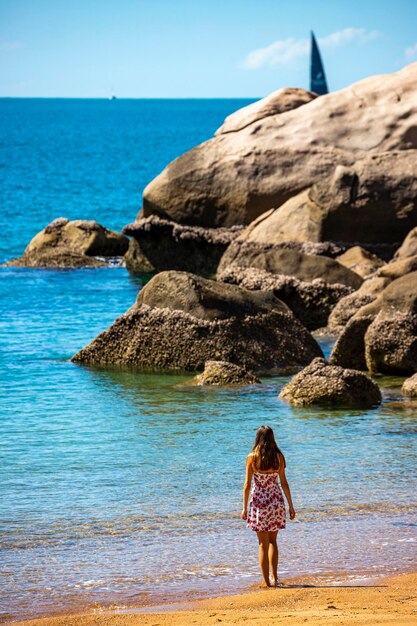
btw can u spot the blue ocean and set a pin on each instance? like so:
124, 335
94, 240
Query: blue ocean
121, 489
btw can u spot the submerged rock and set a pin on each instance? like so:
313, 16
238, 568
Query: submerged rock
236, 176
224, 374
311, 302
329, 385
77, 243
180, 321
157, 245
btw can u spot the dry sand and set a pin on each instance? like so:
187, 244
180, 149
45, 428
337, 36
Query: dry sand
390, 601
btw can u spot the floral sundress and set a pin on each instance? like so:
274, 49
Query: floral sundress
266, 503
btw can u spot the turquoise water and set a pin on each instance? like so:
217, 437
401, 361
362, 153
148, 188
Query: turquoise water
121, 489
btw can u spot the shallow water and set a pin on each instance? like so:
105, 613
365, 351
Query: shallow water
120, 488
114, 481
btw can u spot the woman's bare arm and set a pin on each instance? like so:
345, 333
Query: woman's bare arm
286, 488
246, 486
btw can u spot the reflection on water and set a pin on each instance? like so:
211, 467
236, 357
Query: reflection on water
113, 481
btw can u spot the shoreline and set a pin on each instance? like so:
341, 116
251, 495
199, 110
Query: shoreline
390, 600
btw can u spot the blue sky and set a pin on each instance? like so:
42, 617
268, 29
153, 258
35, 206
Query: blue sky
190, 48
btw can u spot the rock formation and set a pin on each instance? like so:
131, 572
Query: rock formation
158, 245
329, 385
311, 302
289, 261
78, 243
236, 176
180, 321
380, 335
224, 374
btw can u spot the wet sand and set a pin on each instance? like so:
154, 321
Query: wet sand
389, 601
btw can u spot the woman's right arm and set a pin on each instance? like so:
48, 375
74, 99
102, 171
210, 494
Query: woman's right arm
246, 486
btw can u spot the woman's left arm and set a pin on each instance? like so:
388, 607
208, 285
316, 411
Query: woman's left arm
246, 486
286, 488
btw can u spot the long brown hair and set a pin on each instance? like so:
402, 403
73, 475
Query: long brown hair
265, 452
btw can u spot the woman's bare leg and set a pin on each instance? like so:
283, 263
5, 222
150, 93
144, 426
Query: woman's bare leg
263, 538
273, 555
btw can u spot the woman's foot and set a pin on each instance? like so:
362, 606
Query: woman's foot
276, 583
265, 585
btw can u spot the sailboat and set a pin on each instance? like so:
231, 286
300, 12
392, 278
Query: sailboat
318, 82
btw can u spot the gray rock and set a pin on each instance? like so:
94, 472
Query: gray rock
159, 245
180, 321
224, 374
329, 385
278, 259
311, 302
76, 243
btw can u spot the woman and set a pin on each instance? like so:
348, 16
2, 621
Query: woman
266, 513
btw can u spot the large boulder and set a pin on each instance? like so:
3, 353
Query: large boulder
157, 245
329, 385
180, 321
77, 243
311, 302
280, 259
400, 295
391, 343
278, 102
224, 374
236, 176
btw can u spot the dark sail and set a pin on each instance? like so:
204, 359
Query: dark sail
318, 82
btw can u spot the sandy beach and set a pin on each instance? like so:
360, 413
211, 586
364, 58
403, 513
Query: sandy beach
389, 601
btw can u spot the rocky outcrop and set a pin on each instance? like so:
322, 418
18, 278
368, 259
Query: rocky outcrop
349, 349
224, 374
157, 245
77, 243
381, 335
237, 176
278, 102
311, 302
329, 385
373, 202
289, 261
360, 261
409, 387
391, 344
180, 321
